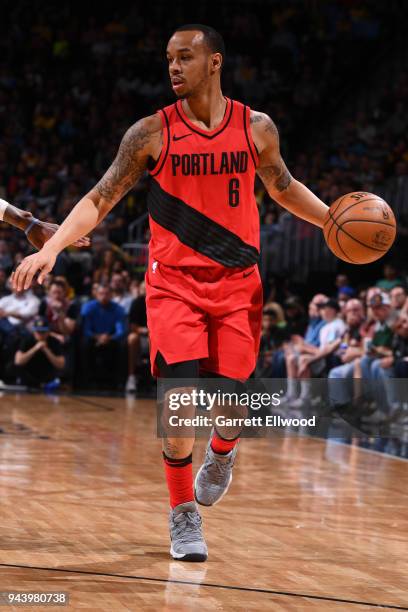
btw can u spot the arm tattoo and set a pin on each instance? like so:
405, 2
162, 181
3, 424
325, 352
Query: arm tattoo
255, 118
269, 125
277, 176
127, 166
274, 174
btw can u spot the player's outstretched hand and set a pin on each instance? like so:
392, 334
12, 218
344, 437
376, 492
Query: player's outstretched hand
43, 231
42, 262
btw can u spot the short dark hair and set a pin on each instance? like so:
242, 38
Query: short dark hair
213, 39
270, 312
58, 283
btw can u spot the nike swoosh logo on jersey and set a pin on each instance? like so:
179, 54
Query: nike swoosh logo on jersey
180, 137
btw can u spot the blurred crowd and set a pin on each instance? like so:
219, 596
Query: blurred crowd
355, 333
51, 337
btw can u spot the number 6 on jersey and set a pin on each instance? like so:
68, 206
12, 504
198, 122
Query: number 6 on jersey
233, 192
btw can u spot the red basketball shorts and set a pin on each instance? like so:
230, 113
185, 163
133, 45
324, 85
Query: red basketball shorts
210, 314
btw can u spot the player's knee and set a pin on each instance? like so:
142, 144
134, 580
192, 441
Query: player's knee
178, 448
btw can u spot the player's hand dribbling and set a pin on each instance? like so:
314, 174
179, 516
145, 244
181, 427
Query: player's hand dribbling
42, 262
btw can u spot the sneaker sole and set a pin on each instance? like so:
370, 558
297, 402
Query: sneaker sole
220, 497
191, 557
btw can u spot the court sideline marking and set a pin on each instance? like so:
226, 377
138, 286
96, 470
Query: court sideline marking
207, 584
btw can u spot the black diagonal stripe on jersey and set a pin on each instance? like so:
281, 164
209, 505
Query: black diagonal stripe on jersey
199, 232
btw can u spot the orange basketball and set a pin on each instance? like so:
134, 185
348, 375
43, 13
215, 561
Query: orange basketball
359, 227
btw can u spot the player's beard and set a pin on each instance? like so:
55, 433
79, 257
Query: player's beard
198, 89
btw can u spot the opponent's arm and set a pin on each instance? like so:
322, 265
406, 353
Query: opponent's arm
281, 186
37, 232
14, 216
141, 141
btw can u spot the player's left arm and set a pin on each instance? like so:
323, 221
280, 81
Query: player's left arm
272, 170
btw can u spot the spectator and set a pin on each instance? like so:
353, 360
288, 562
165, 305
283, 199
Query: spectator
137, 336
400, 348
344, 294
119, 293
16, 311
393, 366
278, 310
103, 273
316, 322
351, 344
335, 326
349, 347
391, 278
271, 362
342, 280
39, 358
18, 308
398, 300
62, 315
295, 316
370, 322
60, 312
315, 364
134, 288
103, 333
302, 346
375, 349
382, 337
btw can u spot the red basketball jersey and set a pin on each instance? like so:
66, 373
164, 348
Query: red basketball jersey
201, 200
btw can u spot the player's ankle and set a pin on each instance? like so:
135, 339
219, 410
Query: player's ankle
222, 446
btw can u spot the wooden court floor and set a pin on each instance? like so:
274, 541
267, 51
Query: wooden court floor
306, 525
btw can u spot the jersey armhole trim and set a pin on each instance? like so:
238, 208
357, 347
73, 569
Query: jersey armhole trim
248, 136
166, 144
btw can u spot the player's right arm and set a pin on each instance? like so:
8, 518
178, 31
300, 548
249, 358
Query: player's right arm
142, 141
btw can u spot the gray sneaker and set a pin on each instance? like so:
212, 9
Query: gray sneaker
187, 540
214, 476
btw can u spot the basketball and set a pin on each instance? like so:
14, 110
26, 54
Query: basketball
359, 227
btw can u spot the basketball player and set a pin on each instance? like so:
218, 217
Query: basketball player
37, 232
204, 295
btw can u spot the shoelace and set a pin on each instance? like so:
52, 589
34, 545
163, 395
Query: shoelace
217, 469
186, 530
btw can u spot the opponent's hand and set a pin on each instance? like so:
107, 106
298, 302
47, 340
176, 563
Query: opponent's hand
43, 231
42, 262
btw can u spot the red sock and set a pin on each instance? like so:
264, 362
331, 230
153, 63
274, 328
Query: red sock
179, 476
221, 446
